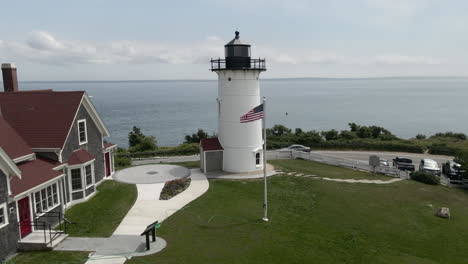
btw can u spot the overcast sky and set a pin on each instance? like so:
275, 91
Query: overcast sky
142, 40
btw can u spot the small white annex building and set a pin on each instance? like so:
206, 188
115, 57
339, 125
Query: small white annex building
239, 145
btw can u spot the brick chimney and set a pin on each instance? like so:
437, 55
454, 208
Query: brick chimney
10, 81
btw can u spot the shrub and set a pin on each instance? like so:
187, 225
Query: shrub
425, 177
174, 187
459, 136
345, 134
442, 149
330, 135
122, 162
420, 136
147, 143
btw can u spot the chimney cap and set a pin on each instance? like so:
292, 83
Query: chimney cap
8, 66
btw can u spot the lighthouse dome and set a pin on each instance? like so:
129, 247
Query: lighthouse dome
235, 48
237, 57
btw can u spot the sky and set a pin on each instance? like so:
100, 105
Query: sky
153, 40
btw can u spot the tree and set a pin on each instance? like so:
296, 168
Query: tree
135, 137
420, 136
298, 132
348, 135
138, 142
280, 130
330, 135
364, 132
196, 137
353, 127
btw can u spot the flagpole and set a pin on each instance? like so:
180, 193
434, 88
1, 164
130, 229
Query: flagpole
265, 197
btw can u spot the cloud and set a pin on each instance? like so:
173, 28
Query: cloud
43, 47
213, 38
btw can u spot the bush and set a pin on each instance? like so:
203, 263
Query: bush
147, 143
442, 149
420, 136
330, 135
122, 162
459, 136
174, 187
425, 177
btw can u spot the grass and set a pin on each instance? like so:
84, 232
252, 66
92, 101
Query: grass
101, 215
325, 170
188, 164
50, 257
313, 221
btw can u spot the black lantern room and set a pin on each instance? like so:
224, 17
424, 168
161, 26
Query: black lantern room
237, 57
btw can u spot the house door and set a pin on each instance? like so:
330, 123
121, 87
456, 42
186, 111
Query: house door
24, 216
107, 160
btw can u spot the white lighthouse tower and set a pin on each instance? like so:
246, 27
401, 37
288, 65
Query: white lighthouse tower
238, 93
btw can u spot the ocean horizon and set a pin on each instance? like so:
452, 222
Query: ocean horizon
171, 109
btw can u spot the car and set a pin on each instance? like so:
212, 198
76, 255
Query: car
383, 163
429, 165
299, 148
452, 170
403, 164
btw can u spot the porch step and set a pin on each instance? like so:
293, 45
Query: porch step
36, 241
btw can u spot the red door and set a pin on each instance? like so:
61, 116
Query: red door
25, 216
107, 160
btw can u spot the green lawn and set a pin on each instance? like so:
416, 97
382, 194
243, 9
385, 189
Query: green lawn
50, 257
188, 164
101, 215
325, 170
316, 221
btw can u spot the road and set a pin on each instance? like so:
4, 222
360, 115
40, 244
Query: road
363, 156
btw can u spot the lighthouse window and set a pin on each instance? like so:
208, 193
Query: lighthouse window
257, 159
229, 79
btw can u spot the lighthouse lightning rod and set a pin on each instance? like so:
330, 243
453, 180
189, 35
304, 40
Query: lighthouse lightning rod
265, 197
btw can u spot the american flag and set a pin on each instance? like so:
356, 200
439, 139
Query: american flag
254, 114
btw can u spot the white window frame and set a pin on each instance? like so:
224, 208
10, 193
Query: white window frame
85, 132
84, 185
53, 196
5, 215
85, 175
80, 169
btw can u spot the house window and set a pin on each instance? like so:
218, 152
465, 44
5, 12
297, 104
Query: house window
257, 158
89, 175
3, 215
83, 137
76, 179
46, 198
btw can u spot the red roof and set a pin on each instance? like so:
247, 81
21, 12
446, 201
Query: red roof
42, 118
79, 157
108, 145
33, 173
211, 144
11, 142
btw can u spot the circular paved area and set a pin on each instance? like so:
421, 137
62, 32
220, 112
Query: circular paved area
155, 173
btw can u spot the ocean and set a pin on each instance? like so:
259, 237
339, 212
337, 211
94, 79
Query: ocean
169, 110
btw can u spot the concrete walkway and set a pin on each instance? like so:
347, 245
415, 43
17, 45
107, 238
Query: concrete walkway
126, 240
241, 176
148, 208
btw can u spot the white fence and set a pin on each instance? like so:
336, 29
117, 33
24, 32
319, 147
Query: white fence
338, 161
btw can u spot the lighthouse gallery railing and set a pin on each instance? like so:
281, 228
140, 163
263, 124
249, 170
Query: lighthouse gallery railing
255, 64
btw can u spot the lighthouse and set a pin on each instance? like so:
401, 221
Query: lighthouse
238, 148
